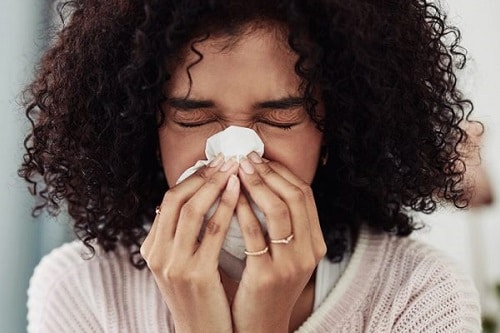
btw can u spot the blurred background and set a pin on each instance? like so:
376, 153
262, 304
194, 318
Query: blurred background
471, 237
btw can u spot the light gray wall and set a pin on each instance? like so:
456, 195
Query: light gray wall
22, 241
473, 237
18, 239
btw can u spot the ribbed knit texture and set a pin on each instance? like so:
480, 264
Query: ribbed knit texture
391, 284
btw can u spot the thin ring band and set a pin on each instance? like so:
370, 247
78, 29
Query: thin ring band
285, 240
157, 210
257, 253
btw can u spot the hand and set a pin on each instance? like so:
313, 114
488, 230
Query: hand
185, 269
272, 283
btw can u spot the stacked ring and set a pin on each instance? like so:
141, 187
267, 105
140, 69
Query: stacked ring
285, 240
257, 253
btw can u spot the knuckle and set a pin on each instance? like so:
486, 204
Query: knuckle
307, 265
288, 274
253, 230
144, 250
243, 202
172, 275
321, 250
266, 281
256, 181
203, 173
189, 211
296, 195
172, 196
174, 271
307, 192
212, 228
197, 278
225, 202
279, 211
274, 165
285, 273
212, 180
154, 264
267, 171
293, 271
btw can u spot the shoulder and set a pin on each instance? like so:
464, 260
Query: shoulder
70, 289
62, 262
56, 268
407, 259
72, 263
420, 265
397, 284
424, 289
66, 278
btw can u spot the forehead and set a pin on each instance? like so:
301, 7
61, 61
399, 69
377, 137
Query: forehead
228, 39
258, 55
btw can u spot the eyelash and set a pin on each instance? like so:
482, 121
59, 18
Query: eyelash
284, 127
188, 125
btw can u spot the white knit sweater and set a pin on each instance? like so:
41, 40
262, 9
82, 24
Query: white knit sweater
391, 284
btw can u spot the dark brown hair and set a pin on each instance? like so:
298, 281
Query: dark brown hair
386, 70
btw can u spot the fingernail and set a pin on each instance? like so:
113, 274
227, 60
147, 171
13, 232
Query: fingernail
246, 166
227, 165
254, 157
217, 161
232, 183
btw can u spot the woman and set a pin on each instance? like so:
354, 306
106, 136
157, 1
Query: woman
357, 106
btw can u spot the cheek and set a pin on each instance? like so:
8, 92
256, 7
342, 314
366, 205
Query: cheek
179, 152
300, 155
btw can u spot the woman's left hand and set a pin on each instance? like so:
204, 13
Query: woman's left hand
272, 282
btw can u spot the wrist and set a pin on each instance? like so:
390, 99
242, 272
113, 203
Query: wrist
262, 327
204, 329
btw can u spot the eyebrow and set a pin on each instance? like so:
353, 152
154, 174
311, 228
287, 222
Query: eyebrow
189, 104
192, 104
282, 103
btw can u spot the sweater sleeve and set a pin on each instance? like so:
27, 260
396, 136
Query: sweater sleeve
437, 297
70, 293
57, 300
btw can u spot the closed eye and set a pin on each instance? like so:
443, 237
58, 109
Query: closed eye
278, 125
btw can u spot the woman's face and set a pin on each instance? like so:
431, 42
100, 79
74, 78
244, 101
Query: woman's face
251, 83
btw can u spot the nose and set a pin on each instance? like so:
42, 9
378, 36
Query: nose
237, 123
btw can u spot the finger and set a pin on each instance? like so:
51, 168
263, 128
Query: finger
178, 195
312, 212
250, 228
193, 211
291, 194
275, 209
217, 226
165, 221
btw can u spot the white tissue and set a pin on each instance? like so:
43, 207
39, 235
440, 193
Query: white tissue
234, 142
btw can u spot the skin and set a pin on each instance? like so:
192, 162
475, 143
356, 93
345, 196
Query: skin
258, 69
252, 83
476, 176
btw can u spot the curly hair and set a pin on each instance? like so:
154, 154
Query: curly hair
387, 76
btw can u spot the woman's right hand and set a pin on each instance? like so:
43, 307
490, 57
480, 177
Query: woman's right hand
186, 269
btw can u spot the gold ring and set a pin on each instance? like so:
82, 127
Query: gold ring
257, 253
285, 240
157, 210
